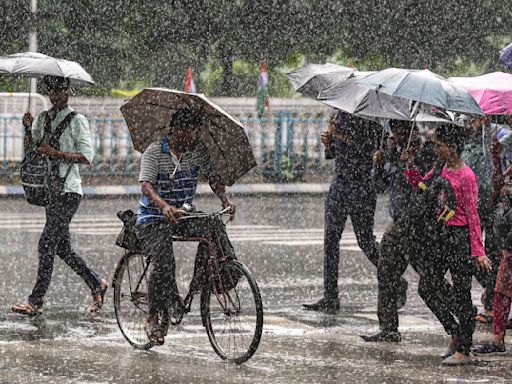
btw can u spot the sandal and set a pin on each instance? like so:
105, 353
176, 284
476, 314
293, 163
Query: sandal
27, 309
484, 318
154, 332
98, 296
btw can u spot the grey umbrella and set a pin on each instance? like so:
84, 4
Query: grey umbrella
422, 86
312, 78
149, 112
351, 97
363, 101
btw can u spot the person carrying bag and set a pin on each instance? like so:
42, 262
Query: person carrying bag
56, 141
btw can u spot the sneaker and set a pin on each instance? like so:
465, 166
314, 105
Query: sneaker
402, 294
323, 306
452, 361
384, 336
490, 349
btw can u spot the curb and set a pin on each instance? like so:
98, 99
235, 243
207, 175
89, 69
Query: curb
202, 189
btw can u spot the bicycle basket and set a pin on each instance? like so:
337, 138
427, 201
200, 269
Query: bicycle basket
127, 238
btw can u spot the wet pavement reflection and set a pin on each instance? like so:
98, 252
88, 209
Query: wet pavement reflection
280, 240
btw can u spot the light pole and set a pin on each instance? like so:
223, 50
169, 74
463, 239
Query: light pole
32, 37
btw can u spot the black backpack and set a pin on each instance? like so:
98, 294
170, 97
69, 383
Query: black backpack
39, 174
422, 221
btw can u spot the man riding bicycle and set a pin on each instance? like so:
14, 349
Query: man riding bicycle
168, 174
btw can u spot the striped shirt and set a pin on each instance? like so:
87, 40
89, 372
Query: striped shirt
157, 167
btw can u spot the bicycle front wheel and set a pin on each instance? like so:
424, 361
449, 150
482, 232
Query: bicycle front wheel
233, 312
131, 298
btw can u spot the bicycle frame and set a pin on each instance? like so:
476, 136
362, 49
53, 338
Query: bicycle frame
211, 265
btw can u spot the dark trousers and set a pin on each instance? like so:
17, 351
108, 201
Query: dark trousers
456, 313
56, 240
156, 242
357, 201
401, 245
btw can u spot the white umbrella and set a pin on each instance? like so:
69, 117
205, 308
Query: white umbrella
35, 64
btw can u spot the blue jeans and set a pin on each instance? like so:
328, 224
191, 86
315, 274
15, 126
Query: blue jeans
56, 240
357, 201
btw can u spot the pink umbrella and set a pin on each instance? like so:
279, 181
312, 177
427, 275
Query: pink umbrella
492, 91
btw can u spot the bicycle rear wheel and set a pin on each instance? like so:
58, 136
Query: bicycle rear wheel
233, 312
131, 298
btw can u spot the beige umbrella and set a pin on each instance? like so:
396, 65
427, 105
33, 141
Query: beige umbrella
149, 112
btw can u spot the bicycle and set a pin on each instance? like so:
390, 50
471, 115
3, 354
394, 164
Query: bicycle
231, 304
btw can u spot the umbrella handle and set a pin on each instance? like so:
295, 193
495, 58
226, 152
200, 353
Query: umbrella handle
382, 138
29, 97
415, 113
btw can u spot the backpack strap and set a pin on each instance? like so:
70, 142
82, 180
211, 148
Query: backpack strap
64, 124
52, 138
47, 128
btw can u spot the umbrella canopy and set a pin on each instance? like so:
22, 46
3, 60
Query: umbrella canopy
353, 98
422, 86
34, 64
506, 56
312, 78
492, 91
361, 100
148, 114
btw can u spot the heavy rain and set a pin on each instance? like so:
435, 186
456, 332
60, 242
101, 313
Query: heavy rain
295, 191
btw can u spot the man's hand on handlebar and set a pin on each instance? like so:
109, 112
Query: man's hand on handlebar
232, 208
171, 213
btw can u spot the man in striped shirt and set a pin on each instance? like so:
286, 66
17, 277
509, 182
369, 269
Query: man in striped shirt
168, 174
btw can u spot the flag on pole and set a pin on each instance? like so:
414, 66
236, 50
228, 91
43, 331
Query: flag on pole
262, 96
190, 86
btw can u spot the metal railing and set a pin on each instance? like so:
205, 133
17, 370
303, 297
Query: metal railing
286, 145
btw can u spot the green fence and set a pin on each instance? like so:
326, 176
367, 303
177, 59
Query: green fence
286, 146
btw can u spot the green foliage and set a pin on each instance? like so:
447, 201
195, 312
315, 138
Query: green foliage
151, 42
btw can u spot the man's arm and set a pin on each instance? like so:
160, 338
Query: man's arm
169, 211
326, 139
73, 157
27, 121
83, 140
220, 190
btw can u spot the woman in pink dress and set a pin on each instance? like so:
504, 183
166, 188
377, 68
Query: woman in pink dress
460, 247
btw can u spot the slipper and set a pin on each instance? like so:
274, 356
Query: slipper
27, 309
484, 318
97, 304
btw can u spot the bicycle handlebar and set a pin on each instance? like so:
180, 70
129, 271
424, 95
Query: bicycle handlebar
189, 215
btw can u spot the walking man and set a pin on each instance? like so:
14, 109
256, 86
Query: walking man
74, 148
352, 142
400, 245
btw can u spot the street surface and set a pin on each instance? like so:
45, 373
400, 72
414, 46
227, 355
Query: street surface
280, 239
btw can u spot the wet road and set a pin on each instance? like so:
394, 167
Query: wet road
280, 240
